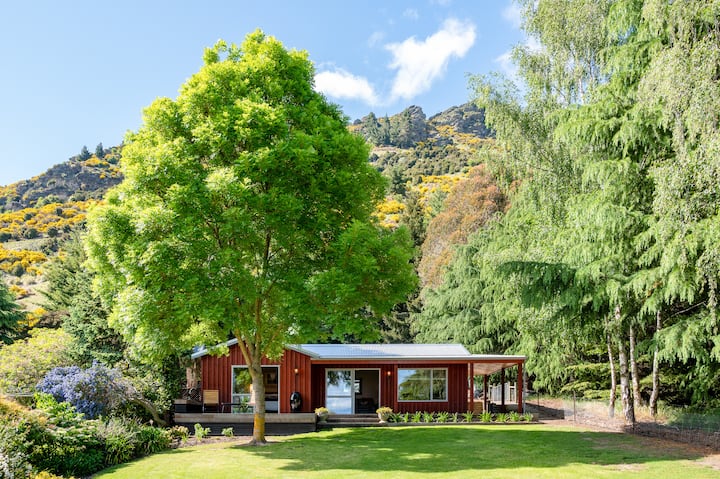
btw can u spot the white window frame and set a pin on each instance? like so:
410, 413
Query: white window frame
432, 379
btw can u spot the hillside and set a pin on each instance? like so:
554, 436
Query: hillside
425, 155
77, 179
415, 146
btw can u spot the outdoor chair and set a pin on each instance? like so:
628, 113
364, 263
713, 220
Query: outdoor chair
211, 398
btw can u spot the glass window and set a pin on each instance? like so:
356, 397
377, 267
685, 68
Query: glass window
242, 391
422, 384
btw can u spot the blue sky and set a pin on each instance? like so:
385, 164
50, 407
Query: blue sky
79, 73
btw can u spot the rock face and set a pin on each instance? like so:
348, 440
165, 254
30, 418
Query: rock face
74, 179
411, 126
467, 118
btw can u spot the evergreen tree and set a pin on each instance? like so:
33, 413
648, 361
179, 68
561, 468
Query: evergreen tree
10, 315
84, 154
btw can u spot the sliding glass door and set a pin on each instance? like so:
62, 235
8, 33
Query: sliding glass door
339, 391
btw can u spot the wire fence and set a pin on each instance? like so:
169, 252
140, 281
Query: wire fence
702, 430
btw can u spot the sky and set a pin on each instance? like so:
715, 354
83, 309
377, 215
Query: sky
77, 73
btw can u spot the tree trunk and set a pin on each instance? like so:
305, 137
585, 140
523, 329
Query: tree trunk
613, 379
253, 358
656, 368
637, 400
149, 407
627, 404
258, 394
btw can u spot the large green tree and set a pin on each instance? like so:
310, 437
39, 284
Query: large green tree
246, 212
10, 315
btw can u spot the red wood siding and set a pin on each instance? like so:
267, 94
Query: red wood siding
457, 386
217, 374
310, 380
457, 391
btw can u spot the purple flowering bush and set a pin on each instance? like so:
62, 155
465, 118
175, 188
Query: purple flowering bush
94, 391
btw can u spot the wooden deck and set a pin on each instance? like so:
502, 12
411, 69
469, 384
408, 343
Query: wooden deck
242, 424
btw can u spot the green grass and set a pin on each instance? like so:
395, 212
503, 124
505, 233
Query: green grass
508, 451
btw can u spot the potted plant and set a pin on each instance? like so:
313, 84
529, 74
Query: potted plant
384, 413
322, 413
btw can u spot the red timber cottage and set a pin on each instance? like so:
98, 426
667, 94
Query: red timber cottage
351, 379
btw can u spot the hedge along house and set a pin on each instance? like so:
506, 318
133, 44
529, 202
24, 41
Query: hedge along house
358, 378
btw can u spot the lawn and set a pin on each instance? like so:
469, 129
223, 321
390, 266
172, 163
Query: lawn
502, 451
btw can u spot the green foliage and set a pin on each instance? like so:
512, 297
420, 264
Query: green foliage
71, 445
486, 416
428, 416
179, 433
10, 315
442, 416
501, 417
201, 432
84, 153
468, 416
243, 200
126, 439
513, 416
417, 416
69, 293
25, 362
228, 432
13, 458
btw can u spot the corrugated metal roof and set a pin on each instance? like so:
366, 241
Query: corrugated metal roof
381, 351
388, 351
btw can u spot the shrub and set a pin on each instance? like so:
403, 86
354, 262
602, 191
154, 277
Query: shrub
201, 432
417, 416
93, 391
118, 449
13, 459
405, 417
228, 432
151, 440
179, 433
442, 416
501, 417
514, 416
455, 417
428, 417
468, 416
69, 445
26, 361
47, 475
486, 416
527, 417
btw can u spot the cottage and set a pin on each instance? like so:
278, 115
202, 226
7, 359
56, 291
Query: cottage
358, 378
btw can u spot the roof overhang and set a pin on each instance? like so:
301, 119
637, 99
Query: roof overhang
482, 364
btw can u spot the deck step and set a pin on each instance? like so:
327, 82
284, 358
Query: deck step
350, 420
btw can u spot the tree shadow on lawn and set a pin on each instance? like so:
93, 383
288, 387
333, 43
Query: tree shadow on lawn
447, 449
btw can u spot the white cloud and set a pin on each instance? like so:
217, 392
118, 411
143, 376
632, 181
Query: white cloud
342, 84
513, 14
411, 13
419, 63
442, 3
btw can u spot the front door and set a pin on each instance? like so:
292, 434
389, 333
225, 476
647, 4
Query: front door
339, 391
352, 391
